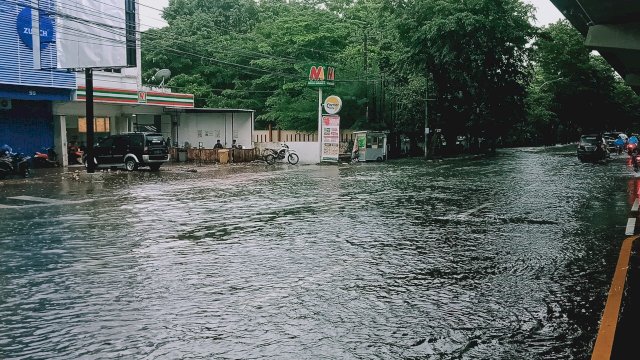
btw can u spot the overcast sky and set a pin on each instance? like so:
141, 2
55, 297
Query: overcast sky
547, 13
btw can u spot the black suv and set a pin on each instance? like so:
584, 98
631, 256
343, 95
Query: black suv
131, 151
592, 147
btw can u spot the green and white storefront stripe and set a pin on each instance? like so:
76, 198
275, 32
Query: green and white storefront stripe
129, 97
170, 99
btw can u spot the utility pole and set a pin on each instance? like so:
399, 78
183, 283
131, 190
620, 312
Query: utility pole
366, 50
91, 165
320, 122
366, 66
426, 116
382, 100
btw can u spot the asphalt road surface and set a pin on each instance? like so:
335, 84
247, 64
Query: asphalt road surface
501, 258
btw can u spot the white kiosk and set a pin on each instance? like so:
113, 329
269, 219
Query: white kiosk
371, 145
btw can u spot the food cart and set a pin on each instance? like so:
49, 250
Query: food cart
371, 145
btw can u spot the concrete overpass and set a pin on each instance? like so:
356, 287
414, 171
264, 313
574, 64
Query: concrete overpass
613, 28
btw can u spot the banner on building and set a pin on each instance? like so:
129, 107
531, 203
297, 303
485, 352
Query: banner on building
330, 138
95, 34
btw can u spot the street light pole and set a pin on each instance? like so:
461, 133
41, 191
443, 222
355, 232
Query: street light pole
549, 82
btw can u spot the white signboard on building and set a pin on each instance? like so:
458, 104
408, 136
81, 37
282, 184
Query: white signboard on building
330, 138
91, 34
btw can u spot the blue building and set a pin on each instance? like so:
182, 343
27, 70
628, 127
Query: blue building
26, 94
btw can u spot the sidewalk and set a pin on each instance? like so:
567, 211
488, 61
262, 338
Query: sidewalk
626, 335
618, 330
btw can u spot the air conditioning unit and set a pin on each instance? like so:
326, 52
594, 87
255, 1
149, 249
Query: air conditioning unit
5, 104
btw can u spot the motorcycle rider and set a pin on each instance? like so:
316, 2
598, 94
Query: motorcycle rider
633, 153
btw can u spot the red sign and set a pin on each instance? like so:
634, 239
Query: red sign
142, 97
322, 75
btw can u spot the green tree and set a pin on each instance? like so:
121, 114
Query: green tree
583, 91
476, 51
477, 57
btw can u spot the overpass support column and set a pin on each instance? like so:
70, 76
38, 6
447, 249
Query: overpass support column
622, 37
622, 40
633, 79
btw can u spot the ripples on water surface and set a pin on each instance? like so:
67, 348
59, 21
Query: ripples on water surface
505, 258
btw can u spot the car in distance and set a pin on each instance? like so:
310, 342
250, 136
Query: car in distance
131, 151
592, 147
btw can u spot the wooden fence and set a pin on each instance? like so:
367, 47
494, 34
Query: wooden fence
212, 156
264, 136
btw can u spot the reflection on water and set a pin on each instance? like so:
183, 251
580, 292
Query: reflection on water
502, 258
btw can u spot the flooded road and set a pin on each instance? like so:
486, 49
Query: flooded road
504, 258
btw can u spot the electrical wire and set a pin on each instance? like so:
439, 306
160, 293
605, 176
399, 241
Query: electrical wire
100, 26
113, 29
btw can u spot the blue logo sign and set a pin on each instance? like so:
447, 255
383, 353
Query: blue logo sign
25, 31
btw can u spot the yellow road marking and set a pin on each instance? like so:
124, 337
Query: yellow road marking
607, 332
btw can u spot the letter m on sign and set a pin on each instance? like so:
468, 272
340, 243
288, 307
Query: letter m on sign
331, 74
316, 73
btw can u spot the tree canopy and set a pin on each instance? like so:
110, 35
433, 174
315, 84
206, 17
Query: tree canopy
487, 71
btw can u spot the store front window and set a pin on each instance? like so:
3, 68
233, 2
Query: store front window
77, 130
100, 125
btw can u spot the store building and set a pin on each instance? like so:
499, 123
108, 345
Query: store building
44, 108
26, 94
204, 127
118, 110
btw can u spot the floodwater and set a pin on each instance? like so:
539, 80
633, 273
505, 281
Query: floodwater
501, 258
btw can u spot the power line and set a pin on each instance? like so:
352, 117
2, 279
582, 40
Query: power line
100, 26
114, 29
105, 27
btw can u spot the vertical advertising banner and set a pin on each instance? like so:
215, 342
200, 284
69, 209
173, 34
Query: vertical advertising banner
91, 33
330, 138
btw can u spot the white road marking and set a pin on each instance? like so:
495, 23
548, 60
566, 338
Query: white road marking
37, 199
631, 226
636, 205
41, 202
476, 209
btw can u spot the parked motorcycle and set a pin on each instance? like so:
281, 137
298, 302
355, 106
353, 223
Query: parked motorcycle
14, 164
45, 159
284, 153
76, 156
